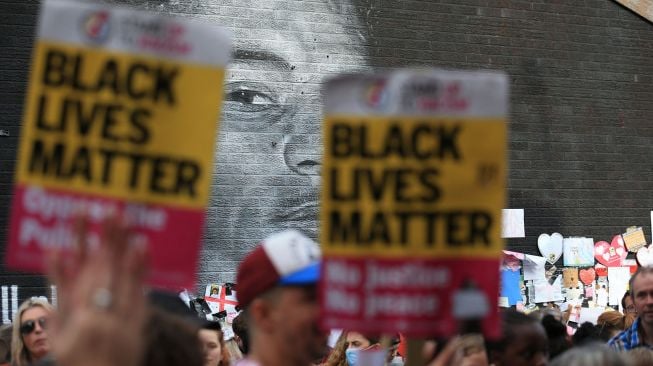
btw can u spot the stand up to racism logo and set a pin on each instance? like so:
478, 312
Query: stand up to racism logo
96, 26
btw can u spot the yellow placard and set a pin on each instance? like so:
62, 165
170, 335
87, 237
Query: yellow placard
413, 186
121, 125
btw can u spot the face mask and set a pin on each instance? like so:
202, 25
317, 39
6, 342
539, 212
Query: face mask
352, 356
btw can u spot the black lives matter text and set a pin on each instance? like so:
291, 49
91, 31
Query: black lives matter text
414, 188
114, 101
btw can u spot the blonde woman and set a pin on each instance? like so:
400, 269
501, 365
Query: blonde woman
30, 343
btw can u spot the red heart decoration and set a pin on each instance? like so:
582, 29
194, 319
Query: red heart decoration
587, 276
611, 255
601, 270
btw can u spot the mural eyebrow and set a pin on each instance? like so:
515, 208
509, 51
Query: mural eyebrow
261, 55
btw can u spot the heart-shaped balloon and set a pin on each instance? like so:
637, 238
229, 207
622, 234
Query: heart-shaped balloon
610, 255
550, 246
587, 276
645, 256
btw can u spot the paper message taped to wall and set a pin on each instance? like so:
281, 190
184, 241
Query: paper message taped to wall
590, 315
534, 267
548, 292
413, 183
107, 132
618, 278
512, 223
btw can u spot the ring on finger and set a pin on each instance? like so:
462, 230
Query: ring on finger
102, 298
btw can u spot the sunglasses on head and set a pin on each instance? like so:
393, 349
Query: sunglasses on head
28, 326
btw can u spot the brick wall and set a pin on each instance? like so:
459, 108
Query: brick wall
580, 125
580, 146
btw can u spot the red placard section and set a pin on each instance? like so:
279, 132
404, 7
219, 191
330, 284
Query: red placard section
419, 298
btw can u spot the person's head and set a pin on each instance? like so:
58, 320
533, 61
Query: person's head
627, 303
212, 342
214, 291
548, 310
523, 343
171, 340
595, 354
609, 324
585, 334
357, 341
30, 341
241, 334
640, 356
557, 334
277, 288
641, 290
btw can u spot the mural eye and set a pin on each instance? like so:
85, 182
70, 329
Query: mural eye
249, 100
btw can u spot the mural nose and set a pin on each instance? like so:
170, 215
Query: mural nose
301, 155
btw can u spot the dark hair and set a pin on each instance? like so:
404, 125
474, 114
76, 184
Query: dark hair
557, 334
240, 328
510, 319
586, 333
623, 299
170, 340
209, 325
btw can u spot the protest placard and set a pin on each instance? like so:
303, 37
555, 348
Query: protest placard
120, 120
413, 183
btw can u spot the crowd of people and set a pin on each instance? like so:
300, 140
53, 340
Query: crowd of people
103, 318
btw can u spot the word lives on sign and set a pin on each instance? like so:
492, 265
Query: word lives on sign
413, 185
120, 121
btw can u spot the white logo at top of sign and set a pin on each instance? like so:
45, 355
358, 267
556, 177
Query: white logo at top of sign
96, 26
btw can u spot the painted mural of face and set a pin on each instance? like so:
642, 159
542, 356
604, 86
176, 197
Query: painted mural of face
269, 146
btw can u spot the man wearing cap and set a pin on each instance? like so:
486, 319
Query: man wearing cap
277, 288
